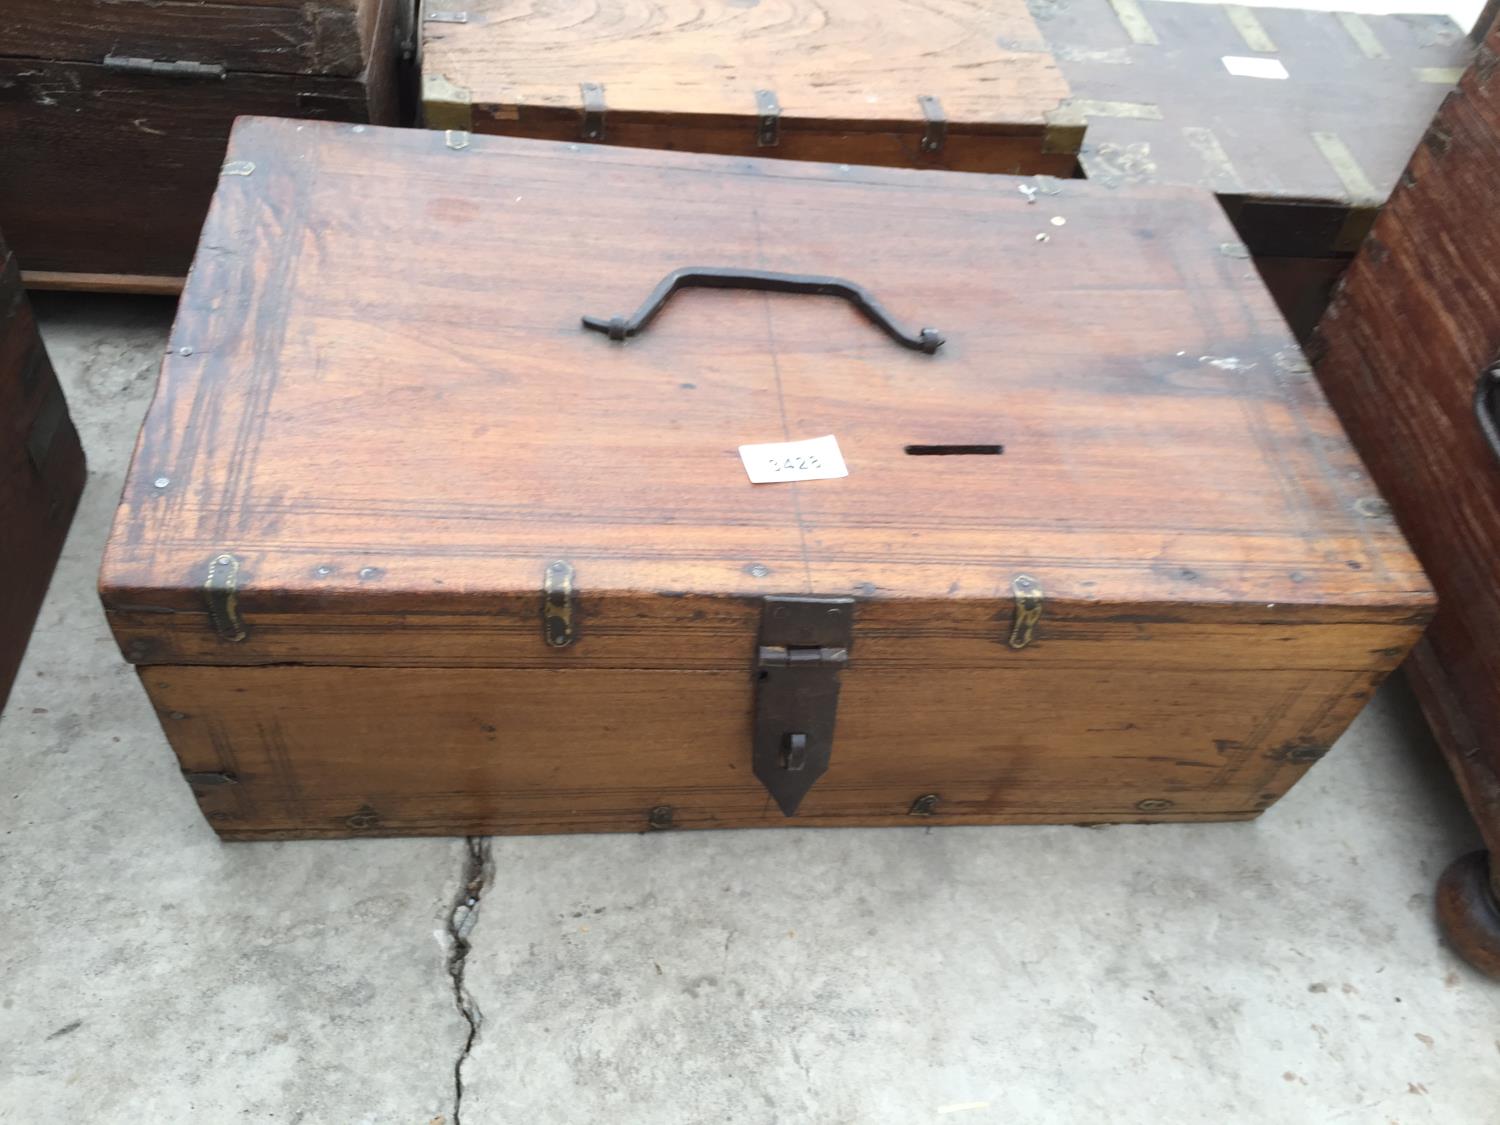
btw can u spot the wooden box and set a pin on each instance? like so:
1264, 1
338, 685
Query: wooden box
411, 550
41, 470
960, 84
114, 115
1408, 355
1195, 94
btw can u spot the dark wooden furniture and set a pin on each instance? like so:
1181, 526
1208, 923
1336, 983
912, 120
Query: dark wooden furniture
412, 551
41, 470
114, 117
1301, 163
1406, 355
961, 84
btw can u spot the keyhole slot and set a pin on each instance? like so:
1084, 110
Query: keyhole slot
954, 450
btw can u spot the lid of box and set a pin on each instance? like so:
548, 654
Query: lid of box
328, 37
1266, 105
765, 73
383, 432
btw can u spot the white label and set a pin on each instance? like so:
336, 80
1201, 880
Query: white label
1243, 66
813, 459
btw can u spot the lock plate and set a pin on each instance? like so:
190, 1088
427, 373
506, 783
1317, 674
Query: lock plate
802, 648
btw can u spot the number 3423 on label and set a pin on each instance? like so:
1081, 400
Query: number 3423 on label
775, 461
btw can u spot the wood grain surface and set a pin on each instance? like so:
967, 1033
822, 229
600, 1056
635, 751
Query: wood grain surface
108, 173
41, 470
683, 74
322, 37
1401, 351
390, 458
1162, 106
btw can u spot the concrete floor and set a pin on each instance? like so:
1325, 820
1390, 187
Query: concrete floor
1283, 971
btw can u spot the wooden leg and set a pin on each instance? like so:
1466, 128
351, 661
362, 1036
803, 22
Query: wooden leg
1468, 910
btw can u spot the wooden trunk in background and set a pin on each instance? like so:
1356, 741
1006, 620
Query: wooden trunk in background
959, 84
1300, 121
411, 550
114, 115
1406, 353
41, 470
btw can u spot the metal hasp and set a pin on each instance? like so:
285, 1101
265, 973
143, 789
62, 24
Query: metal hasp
803, 646
927, 340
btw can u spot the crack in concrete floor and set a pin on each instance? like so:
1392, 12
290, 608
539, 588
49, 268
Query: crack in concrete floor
478, 872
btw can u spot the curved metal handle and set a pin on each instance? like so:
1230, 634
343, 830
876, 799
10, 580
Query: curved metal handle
1484, 406
926, 340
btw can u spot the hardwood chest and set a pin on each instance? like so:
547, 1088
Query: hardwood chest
1410, 355
41, 470
114, 115
1300, 121
408, 547
960, 84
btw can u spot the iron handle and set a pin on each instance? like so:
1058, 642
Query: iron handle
1484, 406
927, 340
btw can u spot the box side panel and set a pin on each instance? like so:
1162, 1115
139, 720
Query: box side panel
340, 751
41, 471
111, 174
1449, 716
314, 37
382, 23
1401, 354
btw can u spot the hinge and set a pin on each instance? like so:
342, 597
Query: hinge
593, 110
803, 646
209, 779
1029, 599
221, 591
767, 119
558, 627
935, 129
177, 68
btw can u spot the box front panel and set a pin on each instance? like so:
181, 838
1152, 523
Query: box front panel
291, 751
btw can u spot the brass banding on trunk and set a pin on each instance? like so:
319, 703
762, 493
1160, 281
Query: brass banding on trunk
1134, 21
446, 105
